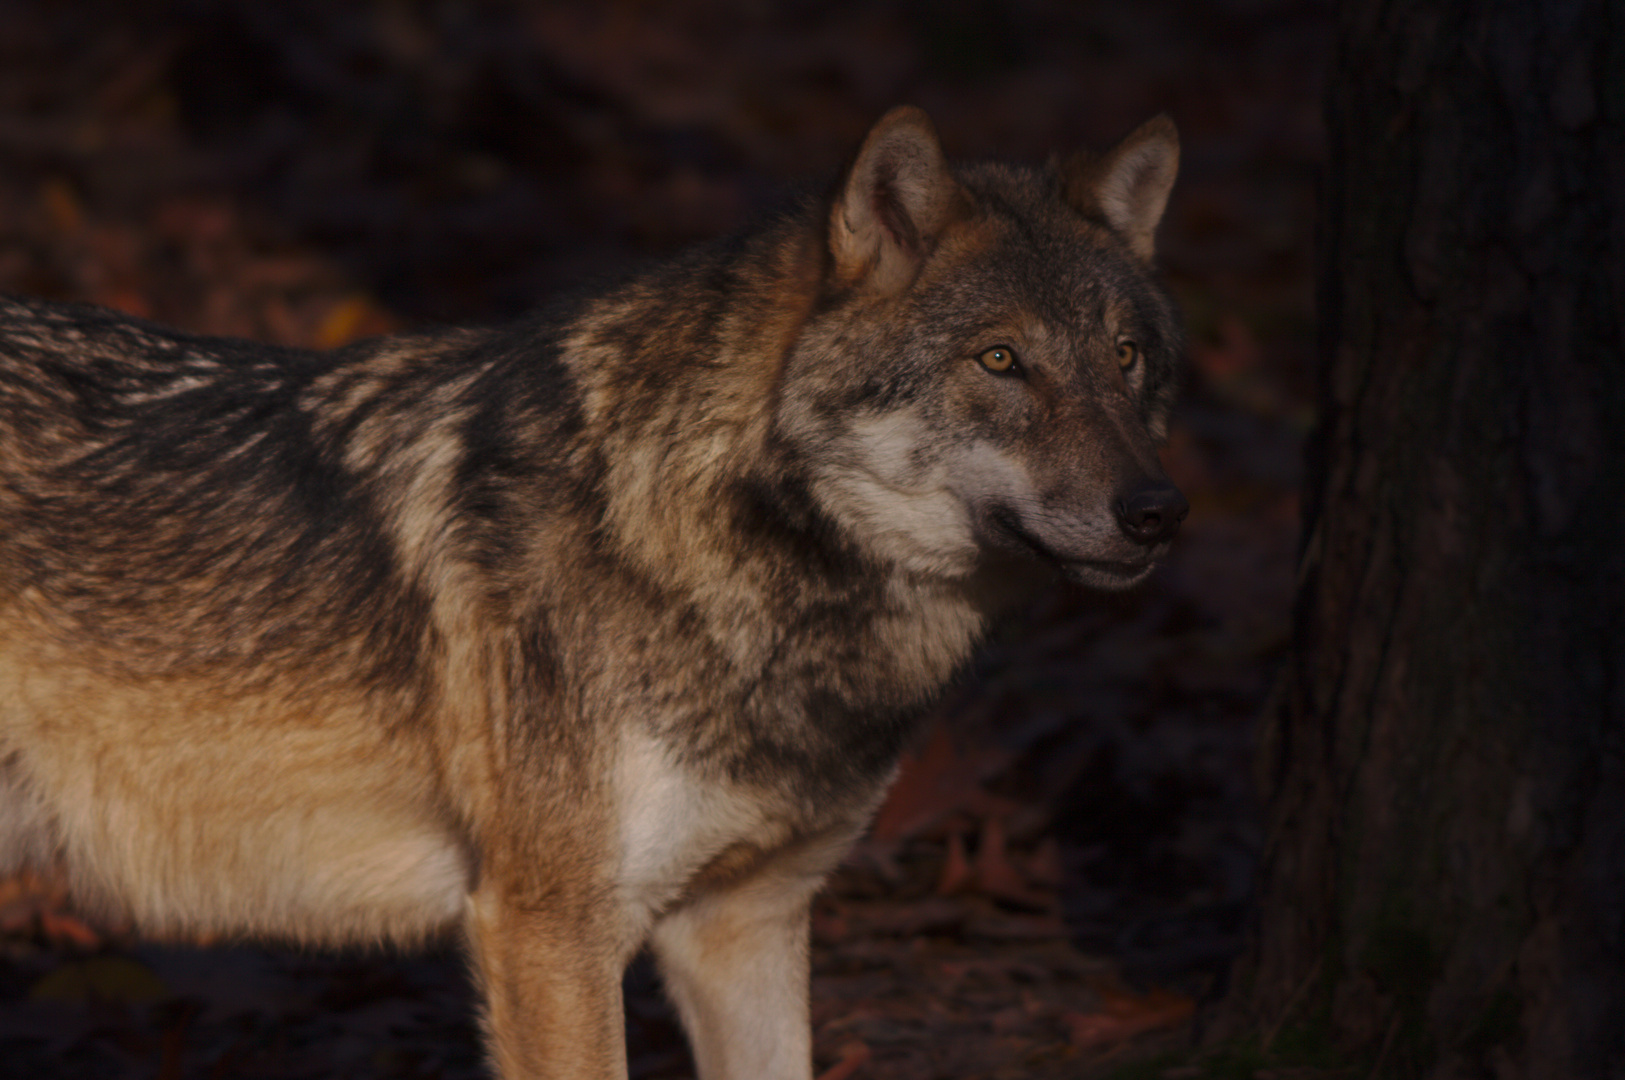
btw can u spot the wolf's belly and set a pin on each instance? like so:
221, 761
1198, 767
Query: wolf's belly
194, 812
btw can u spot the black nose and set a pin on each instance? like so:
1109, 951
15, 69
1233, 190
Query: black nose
1151, 513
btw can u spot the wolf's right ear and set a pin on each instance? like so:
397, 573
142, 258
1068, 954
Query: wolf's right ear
895, 201
1127, 187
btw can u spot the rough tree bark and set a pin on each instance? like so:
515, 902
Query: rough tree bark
1444, 885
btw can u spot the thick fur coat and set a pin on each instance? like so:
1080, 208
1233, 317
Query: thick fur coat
600, 630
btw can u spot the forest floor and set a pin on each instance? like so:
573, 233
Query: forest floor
1061, 876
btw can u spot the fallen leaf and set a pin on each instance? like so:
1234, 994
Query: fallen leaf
351, 318
60, 926
939, 780
956, 872
112, 979
126, 299
62, 206
997, 876
1125, 1016
853, 1057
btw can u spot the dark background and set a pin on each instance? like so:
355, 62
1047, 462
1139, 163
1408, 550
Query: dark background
1063, 872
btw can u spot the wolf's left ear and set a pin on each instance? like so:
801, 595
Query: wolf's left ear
895, 201
1127, 187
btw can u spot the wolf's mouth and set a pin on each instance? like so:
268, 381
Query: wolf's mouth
1008, 533
1007, 528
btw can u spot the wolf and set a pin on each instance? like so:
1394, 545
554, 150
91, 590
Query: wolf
599, 631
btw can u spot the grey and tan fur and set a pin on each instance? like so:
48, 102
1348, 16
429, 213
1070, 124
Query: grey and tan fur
601, 630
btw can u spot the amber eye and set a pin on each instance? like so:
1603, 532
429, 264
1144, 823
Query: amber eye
1127, 353
999, 359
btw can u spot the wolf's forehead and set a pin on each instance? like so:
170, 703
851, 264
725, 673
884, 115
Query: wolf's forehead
1067, 279
1027, 257
1081, 278
1054, 255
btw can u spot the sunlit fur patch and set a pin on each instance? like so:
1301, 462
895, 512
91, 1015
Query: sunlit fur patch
236, 814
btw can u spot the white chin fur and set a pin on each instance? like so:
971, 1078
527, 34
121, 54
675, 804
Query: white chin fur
925, 531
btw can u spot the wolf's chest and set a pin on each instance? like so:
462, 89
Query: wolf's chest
675, 825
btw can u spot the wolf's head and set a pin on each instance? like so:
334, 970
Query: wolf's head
990, 366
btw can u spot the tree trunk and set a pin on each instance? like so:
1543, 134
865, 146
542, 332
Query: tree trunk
1443, 892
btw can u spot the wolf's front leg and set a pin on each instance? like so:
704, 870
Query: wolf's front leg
552, 986
735, 965
734, 961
